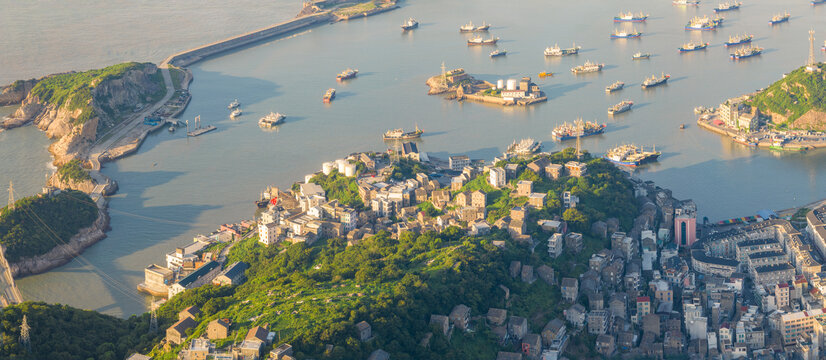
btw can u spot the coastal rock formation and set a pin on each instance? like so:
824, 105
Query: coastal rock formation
16, 92
62, 254
73, 108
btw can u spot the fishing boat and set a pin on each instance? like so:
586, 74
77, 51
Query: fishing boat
631, 155
557, 51
640, 56
699, 110
622, 107
615, 86
199, 128
469, 27
743, 140
580, 128
686, 2
233, 104
728, 6
410, 24
738, 40
682, 126
272, 119
545, 74
625, 34
347, 74
526, 146
588, 67
780, 18
692, 46
630, 17
235, 113
703, 23
480, 41
399, 134
818, 2
746, 52
498, 52
655, 81
329, 95
171, 128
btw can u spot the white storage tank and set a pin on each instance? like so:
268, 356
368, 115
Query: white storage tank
327, 167
341, 163
350, 170
511, 84
500, 84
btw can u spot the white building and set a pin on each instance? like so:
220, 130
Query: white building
555, 244
267, 233
497, 177
458, 162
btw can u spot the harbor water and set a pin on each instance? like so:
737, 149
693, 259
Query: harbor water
176, 187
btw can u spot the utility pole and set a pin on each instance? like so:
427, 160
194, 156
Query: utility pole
811, 62
25, 336
579, 130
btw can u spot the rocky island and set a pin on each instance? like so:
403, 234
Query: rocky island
460, 85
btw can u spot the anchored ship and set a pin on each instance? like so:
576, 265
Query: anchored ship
622, 107
703, 23
399, 134
817, 2
235, 113
347, 74
410, 24
742, 140
480, 41
630, 17
640, 56
738, 40
692, 46
524, 147
746, 52
329, 95
469, 27
568, 131
588, 67
728, 6
557, 51
615, 86
233, 104
272, 119
780, 18
631, 155
686, 2
655, 81
625, 35
497, 52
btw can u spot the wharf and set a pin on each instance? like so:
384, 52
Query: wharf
764, 138
201, 131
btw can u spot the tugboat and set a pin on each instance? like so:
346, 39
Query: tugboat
272, 119
631, 155
470, 28
498, 52
625, 35
410, 24
545, 74
686, 2
568, 131
557, 51
480, 41
692, 46
347, 74
399, 134
641, 56
746, 52
728, 6
703, 23
615, 86
630, 17
329, 95
588, 67
738, 40
233, 104
622, 107
235, 113
655, 81
780, 18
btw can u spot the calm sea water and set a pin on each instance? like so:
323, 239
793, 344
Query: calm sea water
175, 187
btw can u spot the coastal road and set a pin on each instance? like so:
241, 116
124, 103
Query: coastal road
124, 128
9, 293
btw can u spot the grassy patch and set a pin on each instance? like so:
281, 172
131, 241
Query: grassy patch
73, 171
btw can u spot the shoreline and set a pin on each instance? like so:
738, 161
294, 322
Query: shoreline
762, 142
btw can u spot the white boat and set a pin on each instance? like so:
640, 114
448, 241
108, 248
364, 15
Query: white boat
272, 119
234, 104
236, 113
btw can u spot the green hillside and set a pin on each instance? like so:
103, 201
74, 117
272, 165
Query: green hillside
794, 95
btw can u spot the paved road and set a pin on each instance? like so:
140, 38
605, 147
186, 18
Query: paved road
125, 127
9, 294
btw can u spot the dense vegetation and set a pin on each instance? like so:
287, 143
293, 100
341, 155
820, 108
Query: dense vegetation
794, 95
406, 169
73, 171
39, 223
59, 332
341, 188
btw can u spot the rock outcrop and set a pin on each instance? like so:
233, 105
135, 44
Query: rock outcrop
16, 92
62, 254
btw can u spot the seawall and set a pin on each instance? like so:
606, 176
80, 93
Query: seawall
191, 56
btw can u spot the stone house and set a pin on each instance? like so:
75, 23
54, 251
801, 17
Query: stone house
575, 315
546, 273
606, 345
496, 316
599, 321
532, 346
573, 241
527, 274
553, 171
478, 199
190, 312
176, 334
537, 200
460, 316
524, 187
364, 331
570, 289
517, 327
217, 329
441, 323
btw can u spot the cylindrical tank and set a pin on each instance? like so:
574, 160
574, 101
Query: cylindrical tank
341, 163
327, 167
500, 84
511, 84
350, 170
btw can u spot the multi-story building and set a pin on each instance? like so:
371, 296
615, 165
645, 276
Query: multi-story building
555, 245
497, 177
576, 168
458, 162
685, 224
